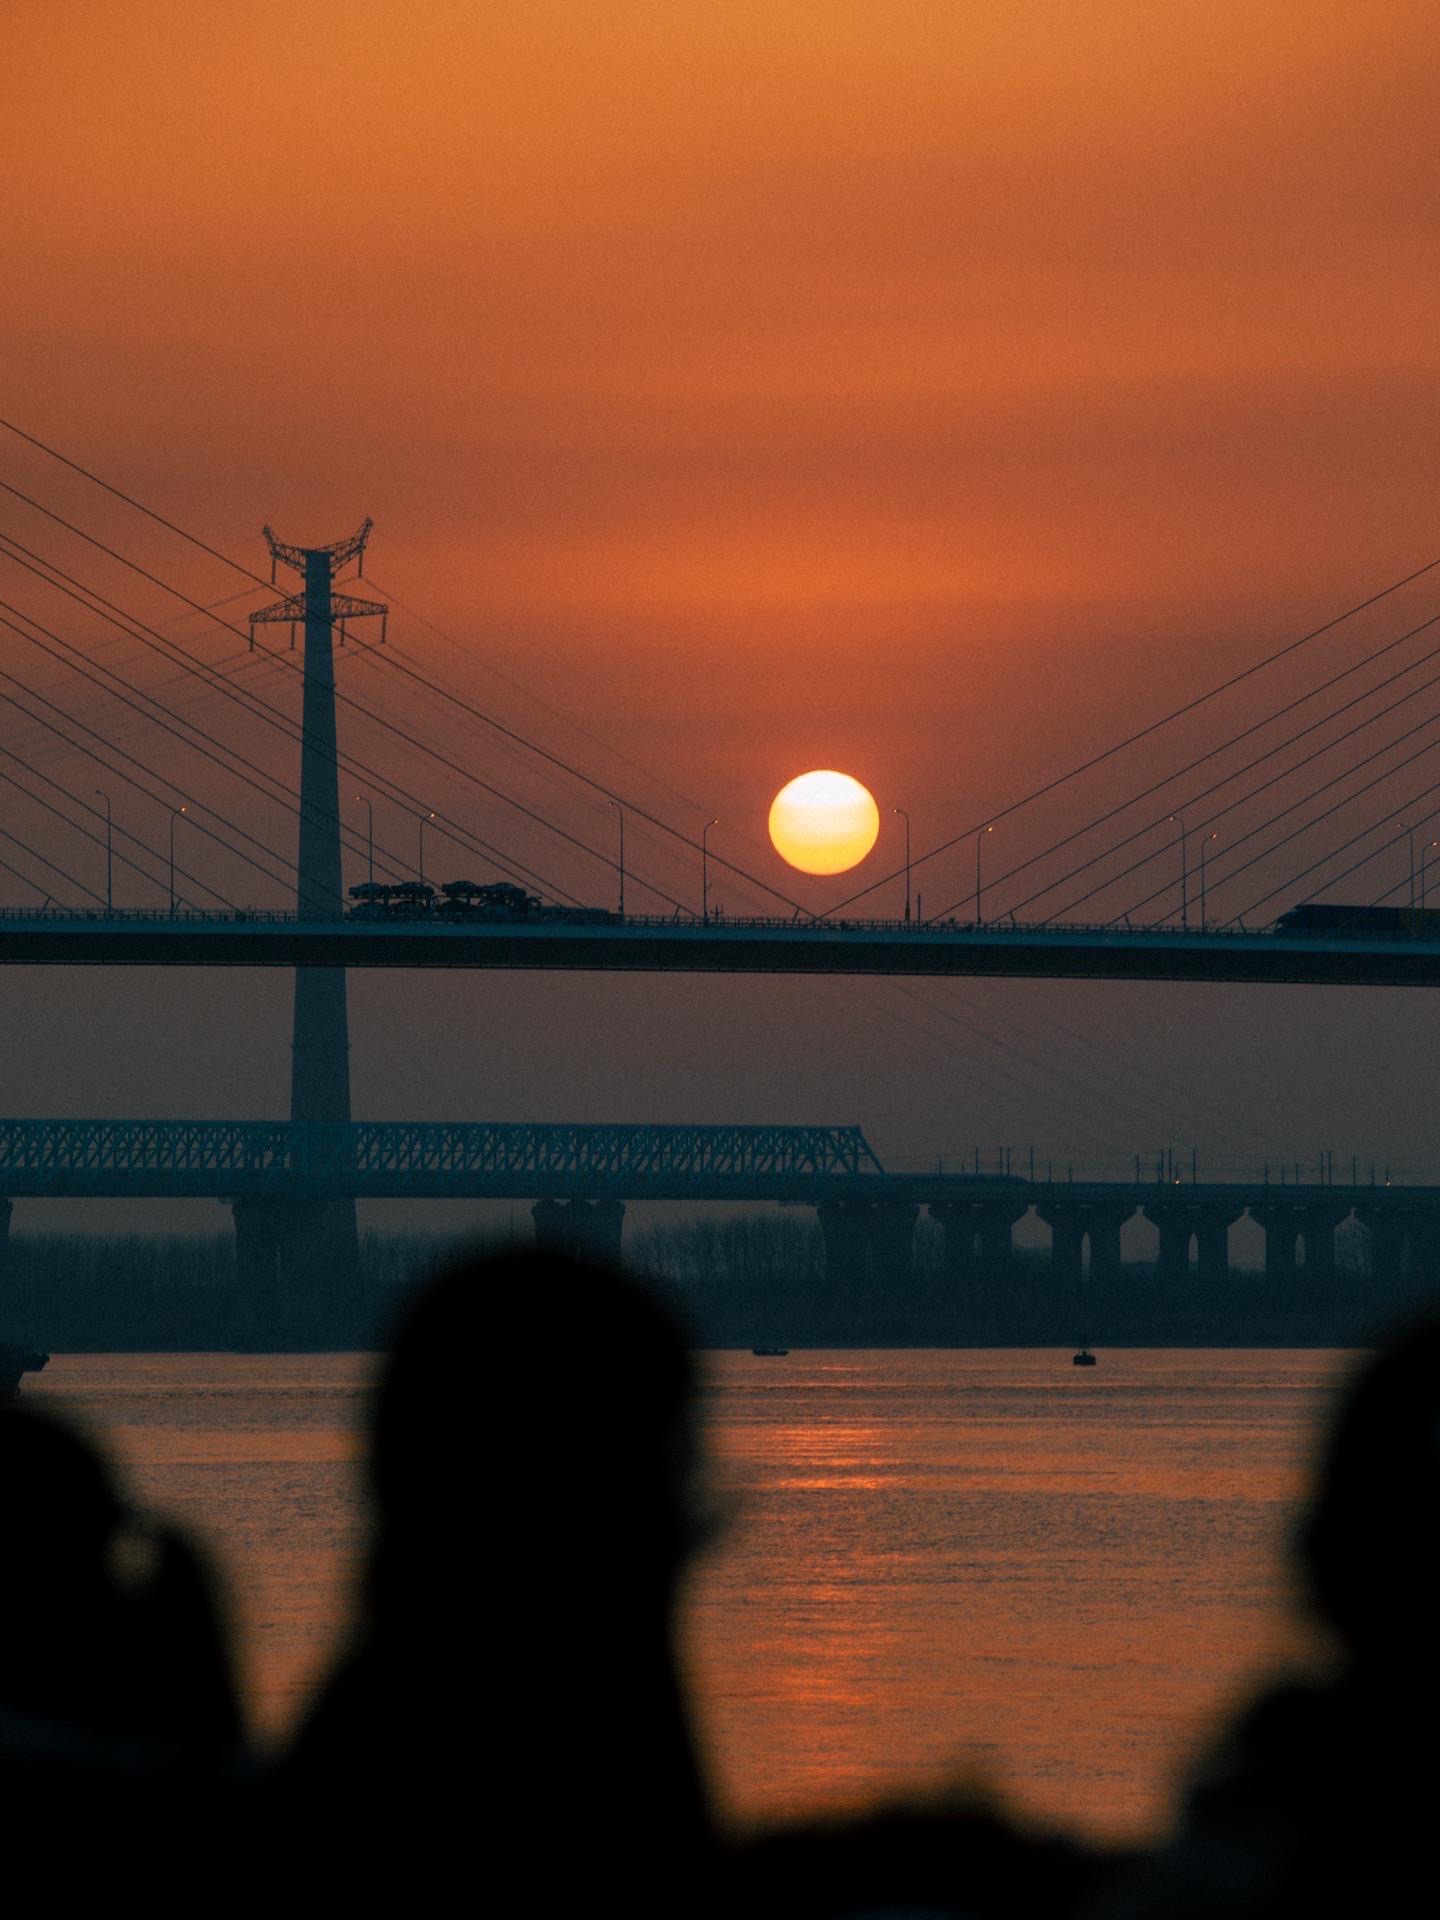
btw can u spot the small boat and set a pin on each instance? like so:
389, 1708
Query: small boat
1084, 1358
15, 1363
770, 1353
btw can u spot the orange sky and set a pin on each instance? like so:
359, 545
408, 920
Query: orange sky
931, 390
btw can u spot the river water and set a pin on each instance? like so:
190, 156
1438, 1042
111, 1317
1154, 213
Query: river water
931, 1562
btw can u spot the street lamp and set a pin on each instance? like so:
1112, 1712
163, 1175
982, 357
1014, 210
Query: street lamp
906, 818
425, 819
978, 839
109, 855
620, 814
1409, 833
1425, 869
369, 838
705, 872
1184, 871
1203, 845
175, 813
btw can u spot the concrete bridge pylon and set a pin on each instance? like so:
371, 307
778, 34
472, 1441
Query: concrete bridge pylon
318, 1241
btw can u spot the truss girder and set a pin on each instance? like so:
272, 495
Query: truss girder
389, 1157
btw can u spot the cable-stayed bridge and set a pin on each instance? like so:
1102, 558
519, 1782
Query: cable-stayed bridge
1288, 789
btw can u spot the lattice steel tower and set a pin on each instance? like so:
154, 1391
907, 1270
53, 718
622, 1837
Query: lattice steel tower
319, 1252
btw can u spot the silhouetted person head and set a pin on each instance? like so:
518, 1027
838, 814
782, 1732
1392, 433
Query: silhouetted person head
544, 1411
1368, 1542
106, 1621
531, 1476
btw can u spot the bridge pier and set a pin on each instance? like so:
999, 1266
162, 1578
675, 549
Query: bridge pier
1071, 1222
868, 1240
1208, 1221
258, 1320
842, 1224
1318, 1224
580, 1229
1388, 1233
977, 1231
892, 1240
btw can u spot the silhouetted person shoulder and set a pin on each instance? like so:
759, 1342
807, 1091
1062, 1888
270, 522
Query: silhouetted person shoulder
510, 1703
1321, 1799
959, 1855
119, 1723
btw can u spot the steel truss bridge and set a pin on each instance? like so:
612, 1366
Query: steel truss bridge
639, 945
242, 1159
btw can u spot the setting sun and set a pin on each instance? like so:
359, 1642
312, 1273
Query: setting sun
824, 822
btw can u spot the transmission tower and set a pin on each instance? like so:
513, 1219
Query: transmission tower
319, 1240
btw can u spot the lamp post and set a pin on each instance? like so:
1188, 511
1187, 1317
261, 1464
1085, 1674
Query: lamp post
1203, 845
705, 872
1409, 833
1425, 869
109, 855
425, 819
369, 838
1184, 872
979, 838
175, 813
620, 815
906, 818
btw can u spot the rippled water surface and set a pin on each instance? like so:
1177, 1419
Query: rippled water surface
931, 1559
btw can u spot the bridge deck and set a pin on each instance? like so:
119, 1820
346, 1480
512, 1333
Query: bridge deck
729, 946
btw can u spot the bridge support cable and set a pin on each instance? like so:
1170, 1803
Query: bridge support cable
1305, 800
1158, 786
1386, 820
363, 772
1120, 746
272, 716
99, 839
103, 748
477, 713
367, 775
1116, 1093
1190, 801
246, 773
1049, 787
1270, 820
1306, 826
44, 861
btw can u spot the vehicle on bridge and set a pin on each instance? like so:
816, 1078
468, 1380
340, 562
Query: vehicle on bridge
463, 900
1325, 918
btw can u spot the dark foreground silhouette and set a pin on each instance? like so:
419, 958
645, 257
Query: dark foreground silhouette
1321, 1799
508, 1712
510, 1704
119, 1725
